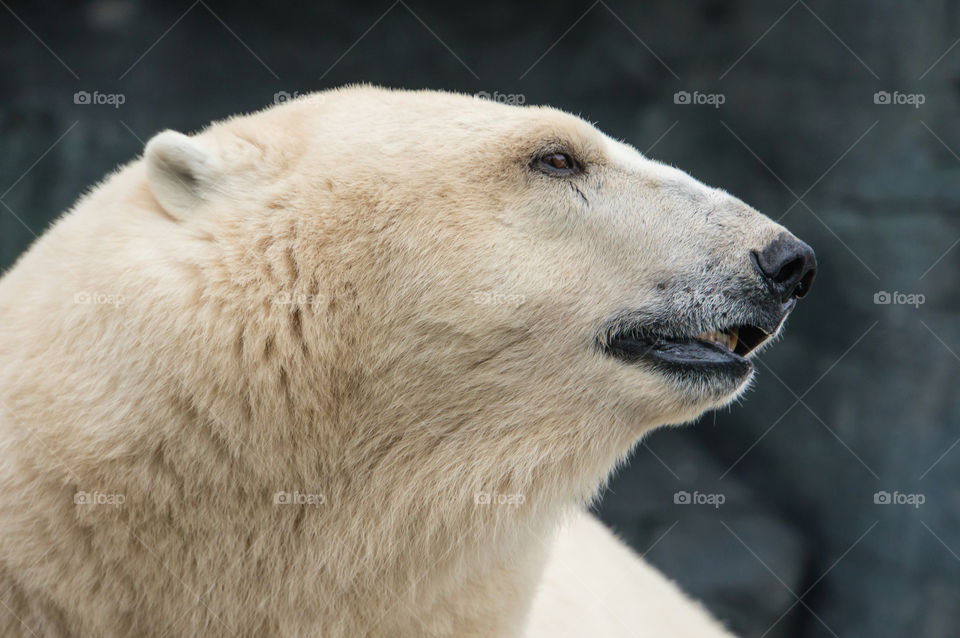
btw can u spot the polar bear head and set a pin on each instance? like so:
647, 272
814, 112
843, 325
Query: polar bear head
412, 261
386, 305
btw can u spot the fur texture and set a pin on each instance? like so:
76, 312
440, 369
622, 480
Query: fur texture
594, 585
370, 302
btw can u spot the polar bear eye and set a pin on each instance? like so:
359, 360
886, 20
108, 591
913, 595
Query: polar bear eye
557, 164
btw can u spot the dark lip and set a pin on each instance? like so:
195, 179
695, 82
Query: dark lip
676, 351
678, 354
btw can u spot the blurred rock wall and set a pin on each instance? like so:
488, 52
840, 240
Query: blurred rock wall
838, 118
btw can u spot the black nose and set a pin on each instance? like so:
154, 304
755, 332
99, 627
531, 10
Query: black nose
788, 265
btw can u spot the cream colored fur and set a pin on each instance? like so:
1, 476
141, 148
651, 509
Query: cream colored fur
594, 585
367, 297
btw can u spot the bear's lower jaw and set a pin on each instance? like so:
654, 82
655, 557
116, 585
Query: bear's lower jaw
706, 368
692, 358
701, 371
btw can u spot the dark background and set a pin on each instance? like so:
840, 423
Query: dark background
859, 398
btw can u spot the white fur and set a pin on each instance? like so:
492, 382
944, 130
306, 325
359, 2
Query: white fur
593, 585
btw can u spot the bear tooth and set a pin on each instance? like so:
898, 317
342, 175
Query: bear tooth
727, 339
716, 337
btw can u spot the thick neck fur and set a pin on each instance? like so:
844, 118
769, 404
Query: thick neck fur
429, 465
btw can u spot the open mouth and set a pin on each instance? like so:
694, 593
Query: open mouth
722, 352
740, 340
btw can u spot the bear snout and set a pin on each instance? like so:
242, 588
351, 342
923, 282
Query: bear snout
788, 267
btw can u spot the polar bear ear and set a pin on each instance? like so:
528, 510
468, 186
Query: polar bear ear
180, 171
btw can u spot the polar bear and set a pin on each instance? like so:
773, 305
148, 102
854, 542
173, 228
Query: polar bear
353, 365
